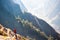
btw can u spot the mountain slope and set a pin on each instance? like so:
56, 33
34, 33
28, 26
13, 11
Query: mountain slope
9, 10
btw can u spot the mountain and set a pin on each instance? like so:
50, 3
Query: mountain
9, 11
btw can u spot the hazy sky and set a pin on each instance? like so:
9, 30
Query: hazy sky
48, 10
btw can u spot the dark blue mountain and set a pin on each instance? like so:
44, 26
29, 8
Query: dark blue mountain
9, 10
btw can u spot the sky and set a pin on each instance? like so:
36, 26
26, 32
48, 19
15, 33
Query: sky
48, 10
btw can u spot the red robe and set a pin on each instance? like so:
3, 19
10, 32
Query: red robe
14, 31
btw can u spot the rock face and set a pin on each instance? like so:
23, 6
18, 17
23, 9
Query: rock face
6, 33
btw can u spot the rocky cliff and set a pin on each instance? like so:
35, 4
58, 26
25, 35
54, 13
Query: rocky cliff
8, 34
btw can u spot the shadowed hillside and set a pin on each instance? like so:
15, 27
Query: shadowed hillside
9, 12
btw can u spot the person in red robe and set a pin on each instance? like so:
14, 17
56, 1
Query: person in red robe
15, 33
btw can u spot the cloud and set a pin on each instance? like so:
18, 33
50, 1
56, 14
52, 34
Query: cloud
55, 22
57, 28
33, 4
56, 18
51, 5
43, 9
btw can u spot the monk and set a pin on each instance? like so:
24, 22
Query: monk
15, 34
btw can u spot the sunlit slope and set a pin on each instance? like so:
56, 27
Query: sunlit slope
8, 34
